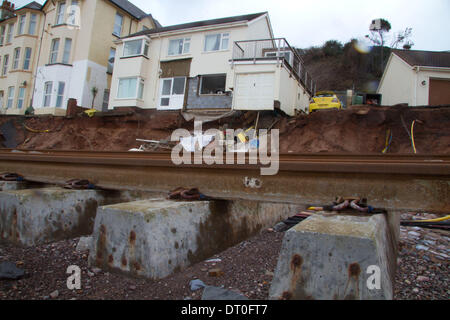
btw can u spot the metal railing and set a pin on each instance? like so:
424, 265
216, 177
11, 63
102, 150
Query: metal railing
274, 49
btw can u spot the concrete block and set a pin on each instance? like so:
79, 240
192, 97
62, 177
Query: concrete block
332, 257
154, 238
34, 216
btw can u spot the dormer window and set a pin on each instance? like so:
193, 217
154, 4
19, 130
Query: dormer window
134, 48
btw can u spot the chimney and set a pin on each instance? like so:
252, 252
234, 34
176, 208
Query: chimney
6, 10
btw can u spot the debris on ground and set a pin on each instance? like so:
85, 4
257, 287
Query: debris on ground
343, 131
9, 271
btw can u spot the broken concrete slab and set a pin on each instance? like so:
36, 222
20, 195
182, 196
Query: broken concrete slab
156, 237
336, 257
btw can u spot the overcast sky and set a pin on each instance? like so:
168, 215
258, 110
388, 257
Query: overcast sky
306, 23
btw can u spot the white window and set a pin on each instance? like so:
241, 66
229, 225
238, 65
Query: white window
118, 25
21, 98
27, 59
33, 22
130, 88
172, 93
60, 13
60, 96
22, 20
112, 56
2, 35
135, 48
5, 65
179, 46
47, 93
213, 84
10, 33
54, 51
74, 13
216, 42
16, 58
67, 50
10, 97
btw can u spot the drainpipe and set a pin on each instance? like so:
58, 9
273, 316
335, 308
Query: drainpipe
417, 69
39, 56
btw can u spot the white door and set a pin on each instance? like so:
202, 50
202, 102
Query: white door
254, 91
171, 94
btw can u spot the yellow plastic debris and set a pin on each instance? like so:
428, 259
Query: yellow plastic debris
90, 112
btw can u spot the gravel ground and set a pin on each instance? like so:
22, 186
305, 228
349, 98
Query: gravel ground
248, 268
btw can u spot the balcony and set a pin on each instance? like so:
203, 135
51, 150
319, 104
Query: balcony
258, 51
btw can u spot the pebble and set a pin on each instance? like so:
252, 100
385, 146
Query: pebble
416, 290
422, 278
421, 247
132, 287
96, 270
54, 294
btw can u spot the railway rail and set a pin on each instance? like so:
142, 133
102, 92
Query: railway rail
395, 182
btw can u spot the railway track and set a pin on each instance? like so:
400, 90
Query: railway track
400, 182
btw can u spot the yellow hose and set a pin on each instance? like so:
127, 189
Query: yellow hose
35, 131
433, 220
412, 136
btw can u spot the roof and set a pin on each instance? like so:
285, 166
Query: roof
203, 23
130, 8
125, 5
424, 58
32, 5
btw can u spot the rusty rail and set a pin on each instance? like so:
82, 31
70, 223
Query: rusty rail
396, 182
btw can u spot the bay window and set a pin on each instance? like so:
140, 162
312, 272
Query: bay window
130, 88
16, 58
67, 50
10, 33
60, 94
21, 98
21, 27
54, 51
135, 48
26, 61
5, 65
60, 13
47, 93
10, 101
33, 22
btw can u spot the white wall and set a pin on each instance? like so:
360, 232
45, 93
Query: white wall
423, 90
397, 84
202, 62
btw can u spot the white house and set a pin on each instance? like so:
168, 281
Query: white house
417, 78
228, 63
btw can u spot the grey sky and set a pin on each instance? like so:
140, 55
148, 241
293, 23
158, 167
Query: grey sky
306, 23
